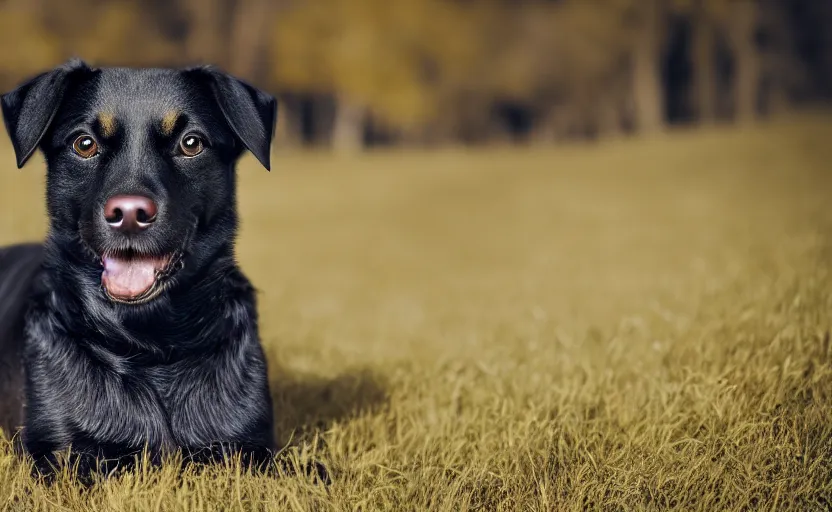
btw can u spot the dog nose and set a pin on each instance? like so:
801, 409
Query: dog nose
130, 214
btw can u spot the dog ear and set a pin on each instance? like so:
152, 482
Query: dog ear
250, 112
28, 110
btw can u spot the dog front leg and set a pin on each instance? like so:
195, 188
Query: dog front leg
257, 458
84, 466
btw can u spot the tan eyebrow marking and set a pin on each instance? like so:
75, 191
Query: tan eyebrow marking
169, 121
108, 123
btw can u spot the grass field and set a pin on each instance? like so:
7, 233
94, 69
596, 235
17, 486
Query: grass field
636, 325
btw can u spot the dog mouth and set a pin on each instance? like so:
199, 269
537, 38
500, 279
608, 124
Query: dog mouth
132, 277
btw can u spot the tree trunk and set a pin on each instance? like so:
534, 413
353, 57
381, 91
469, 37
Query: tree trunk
556, 124
704, 70
746, 60
777, 100
348, 126
205, 43
289, 128
780, 71
249, 38
648, 94
545, 130
607, 115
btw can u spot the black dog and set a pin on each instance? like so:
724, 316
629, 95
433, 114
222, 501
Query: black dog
140, 330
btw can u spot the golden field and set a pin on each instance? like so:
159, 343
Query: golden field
631, 325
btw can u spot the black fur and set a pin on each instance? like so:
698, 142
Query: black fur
185, 370
18, 267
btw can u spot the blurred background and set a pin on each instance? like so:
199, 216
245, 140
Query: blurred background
355, 74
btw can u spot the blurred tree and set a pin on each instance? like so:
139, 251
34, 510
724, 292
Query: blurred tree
123, 34
742, 30
567, 61
423, 71
703, 47
379, 57
116, 32
784, 75
205, 42
28, 45
251, 21
648, 18
602, 56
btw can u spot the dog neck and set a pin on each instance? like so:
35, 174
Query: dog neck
186, 319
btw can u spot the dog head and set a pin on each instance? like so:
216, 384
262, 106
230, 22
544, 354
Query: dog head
140, 166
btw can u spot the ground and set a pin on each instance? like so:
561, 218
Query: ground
632, 325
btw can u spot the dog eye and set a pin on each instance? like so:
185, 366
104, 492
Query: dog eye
191, 145
85, 146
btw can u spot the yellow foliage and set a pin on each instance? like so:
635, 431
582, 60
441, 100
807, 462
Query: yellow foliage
120, 34
407, 59
389, 55
27, 47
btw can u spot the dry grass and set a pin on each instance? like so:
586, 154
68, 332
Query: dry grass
633, 326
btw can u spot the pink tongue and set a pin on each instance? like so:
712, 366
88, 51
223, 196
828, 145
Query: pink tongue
129, 278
